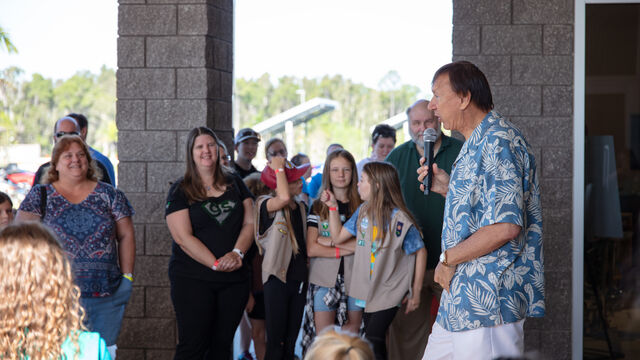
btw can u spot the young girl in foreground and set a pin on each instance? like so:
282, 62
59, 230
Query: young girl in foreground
390, 258
330, 265
281, 233
40, 309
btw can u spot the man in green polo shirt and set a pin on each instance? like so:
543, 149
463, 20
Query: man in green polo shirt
408, 334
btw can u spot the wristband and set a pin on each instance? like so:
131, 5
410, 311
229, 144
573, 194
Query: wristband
337, 253
128, 276
333, 208
239, 252
215, 265
278, 170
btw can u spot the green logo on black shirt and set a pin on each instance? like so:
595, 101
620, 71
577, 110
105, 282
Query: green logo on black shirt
219, 211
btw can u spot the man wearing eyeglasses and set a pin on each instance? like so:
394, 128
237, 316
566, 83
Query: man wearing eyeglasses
83, 124
408, 333
246, 143
68, 126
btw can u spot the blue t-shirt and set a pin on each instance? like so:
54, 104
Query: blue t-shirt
87, 232
106, 162
313, 186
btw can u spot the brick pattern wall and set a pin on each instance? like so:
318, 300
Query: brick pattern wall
525, 48
175, 62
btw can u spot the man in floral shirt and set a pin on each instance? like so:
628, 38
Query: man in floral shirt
491, 267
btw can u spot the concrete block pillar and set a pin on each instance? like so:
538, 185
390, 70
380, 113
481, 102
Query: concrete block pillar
175, 61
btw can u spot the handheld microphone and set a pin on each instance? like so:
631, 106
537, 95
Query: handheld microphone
429, 136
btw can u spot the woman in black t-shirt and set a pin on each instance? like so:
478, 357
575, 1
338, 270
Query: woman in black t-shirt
209, 214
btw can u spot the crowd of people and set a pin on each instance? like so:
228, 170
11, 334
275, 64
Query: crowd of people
356, 258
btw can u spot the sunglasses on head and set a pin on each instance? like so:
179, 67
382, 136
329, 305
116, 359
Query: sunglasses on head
60, 134
250, 133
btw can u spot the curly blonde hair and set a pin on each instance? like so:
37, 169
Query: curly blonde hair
333, 345
39, 301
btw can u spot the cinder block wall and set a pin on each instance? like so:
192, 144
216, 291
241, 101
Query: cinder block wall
175, 62
525, 47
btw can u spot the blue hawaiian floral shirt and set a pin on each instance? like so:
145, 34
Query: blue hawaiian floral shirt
494, 180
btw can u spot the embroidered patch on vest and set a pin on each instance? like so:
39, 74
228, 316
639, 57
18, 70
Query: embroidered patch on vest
361, 242
219, 211
399, 228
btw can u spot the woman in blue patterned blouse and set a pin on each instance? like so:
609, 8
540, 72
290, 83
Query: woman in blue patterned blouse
93, 223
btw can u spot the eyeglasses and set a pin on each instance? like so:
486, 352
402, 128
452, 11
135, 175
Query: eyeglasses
281, 152
60, 134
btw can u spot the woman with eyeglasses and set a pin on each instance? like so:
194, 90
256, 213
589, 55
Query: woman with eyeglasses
223, 155
275, 147
92, 220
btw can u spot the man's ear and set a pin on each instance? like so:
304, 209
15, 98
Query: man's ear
83, 133
465, 100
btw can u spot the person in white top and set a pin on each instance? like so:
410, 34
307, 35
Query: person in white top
383, 140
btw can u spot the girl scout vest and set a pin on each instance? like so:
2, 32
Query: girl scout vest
392, 271
324, 271
275, 243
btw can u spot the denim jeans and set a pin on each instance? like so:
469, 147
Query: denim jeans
104, 314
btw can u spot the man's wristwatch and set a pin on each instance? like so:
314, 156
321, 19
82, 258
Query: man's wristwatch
443, 258
239, 252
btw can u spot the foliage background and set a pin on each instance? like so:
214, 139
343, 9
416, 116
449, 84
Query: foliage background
29, 108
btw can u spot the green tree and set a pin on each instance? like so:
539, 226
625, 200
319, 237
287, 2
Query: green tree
29, 108
5, 42
360, 109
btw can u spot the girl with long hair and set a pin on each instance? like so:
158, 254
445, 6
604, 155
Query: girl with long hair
330, 265
209, 213
40, 312
280, 235
390, 258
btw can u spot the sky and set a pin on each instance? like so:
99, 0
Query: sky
359, 39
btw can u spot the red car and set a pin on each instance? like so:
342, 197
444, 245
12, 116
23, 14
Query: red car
21, 177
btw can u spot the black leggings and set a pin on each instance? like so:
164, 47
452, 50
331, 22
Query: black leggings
375, 329
284, 306
208, 314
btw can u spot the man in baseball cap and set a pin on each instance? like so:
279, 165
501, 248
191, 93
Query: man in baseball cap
246, 144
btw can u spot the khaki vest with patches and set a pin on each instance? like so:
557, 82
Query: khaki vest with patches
324, 271
393, 270
275, 243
